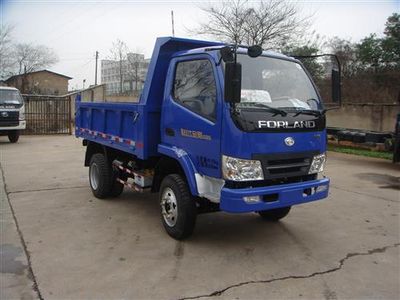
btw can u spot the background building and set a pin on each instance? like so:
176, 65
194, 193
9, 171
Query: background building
124, 77
42, 82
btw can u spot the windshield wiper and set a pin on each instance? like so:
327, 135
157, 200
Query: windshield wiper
298, 111
262, 105
309, 112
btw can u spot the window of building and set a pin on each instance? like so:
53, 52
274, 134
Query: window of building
194, 87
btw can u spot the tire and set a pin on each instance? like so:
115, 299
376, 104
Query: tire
177, 207
389, 145
344, 135
359, 138
274, 215
117, 189
13, 136
100, 176
376, 137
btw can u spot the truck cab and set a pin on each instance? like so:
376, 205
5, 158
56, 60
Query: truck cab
12, 113
275, 135
218, 127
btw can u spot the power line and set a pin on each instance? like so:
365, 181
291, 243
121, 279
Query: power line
57, 28
102, 13
72, 59
81, 66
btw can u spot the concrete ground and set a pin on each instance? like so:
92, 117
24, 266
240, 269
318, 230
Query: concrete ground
66, 244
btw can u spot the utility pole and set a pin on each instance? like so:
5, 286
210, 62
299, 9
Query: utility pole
95, 72
172, 21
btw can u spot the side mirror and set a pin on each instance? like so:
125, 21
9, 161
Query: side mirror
226, 54
254, 51
233, 82
336, 86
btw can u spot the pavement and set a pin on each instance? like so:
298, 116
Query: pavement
59, 242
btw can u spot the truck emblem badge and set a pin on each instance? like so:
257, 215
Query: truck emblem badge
4, 114
286, 124
289, 141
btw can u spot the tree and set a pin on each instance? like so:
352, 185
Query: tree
382, 53
6, 61
134, 66
308, 47
392, 26
269, 23
30, 58
315, 68
346, 51
119, 52
22, 58
391, 43
130, 65
370, 52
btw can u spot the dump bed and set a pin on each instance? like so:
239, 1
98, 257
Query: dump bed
134, 127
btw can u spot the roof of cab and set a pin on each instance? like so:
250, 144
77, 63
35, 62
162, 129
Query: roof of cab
241, 50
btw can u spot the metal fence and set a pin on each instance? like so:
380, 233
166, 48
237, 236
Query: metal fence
47, 114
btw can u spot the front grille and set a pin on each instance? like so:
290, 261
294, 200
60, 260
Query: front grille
285, 165
9, 118
268, 182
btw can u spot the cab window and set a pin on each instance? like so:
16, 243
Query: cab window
194, 87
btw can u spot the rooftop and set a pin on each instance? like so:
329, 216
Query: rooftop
51, 72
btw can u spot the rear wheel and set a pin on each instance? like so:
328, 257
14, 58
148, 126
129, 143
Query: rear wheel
13, 136
274, 214
100, 176
178, 208
117, 189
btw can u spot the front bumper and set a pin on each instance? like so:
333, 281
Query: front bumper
286, 195
21, 126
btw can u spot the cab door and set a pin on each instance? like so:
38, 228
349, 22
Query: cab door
191, 113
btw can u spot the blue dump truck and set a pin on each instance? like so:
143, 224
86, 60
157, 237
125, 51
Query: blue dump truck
217, 128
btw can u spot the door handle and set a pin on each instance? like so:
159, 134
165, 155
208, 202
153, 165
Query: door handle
169, 131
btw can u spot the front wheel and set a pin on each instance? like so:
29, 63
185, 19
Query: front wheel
178, 208
13, 136
274, 214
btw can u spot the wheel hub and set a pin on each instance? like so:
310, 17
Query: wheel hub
169, 207
94, 176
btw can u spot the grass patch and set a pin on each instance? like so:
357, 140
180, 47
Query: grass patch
361, 152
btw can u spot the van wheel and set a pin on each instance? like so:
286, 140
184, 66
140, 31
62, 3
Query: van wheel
100, 176
13, 136
274, 214
178, 208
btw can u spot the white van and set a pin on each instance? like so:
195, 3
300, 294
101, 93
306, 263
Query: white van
12, 113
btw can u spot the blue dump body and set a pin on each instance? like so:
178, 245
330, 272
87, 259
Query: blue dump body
134, 127
158, 126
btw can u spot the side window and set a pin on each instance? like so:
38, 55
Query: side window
194, 87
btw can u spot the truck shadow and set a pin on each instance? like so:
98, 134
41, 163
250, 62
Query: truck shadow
227, 230
5, 143
218, 229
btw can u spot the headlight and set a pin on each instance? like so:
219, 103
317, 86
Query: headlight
317, 164
237, 169
21, 115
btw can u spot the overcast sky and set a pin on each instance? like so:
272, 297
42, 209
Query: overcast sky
76, 29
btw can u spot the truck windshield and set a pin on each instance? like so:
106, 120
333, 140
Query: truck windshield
10, 97
276, 83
